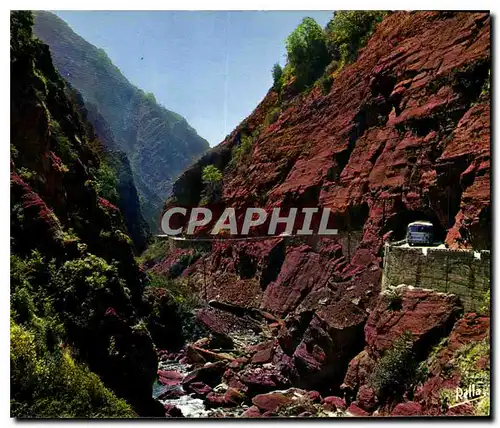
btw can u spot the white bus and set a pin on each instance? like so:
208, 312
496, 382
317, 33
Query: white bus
420, 233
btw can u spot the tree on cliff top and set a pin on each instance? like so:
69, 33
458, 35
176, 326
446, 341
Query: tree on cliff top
307, 52
349, 31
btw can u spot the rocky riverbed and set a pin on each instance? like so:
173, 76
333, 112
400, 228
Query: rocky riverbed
244, 367
233, 373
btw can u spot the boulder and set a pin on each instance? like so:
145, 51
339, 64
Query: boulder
193, 356
358, 373
470, 329
169, 377
271, 401
171, 393
465, 409
356, 411
209, 374
333, 404
237, 363
314, 396
251, 412
259, 380
172, 411
410, 408
427, 314
263, 356
230, 398
220, 341
199, 389
202, 355
366, 398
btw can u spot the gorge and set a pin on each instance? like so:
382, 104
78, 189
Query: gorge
391, 126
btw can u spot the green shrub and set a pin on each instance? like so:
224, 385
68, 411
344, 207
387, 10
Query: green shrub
241, 151
170, 317
53, 385
486, 303
63, 147
349, 31
465, 361
211, 174
106, 182
212, 182
21, 22
486, 90
325, 82
156, 250
184, 261
150, 97
177, 288
397, 371
277, 75
272, 116
307, 52
29, 286
85, 288
394, 299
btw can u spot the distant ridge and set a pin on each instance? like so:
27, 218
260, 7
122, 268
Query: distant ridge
159, 143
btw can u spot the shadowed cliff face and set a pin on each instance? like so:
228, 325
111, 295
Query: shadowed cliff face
75, 284
159, 143
127, 197
403, 134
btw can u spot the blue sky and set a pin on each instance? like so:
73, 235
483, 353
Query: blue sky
213, 68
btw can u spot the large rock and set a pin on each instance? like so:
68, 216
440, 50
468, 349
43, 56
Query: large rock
251, 412
271, 401
356, 411
231, 398
426, 314
169, 377
333, 403
409, 408
210, 373
199, 389
259, 380
358, 373
367, 398
443, 375
172, 411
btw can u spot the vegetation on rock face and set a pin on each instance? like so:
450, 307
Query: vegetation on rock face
277, 74
306, 52
349, 31
51, 384
314, 53
240, 152
115, 181
170, 303
471, 362
486, 305
159, 143
397, 371
212, 181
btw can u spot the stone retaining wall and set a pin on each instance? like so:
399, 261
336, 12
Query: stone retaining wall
465, 273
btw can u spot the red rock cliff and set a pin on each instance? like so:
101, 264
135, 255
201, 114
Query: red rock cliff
403, 134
